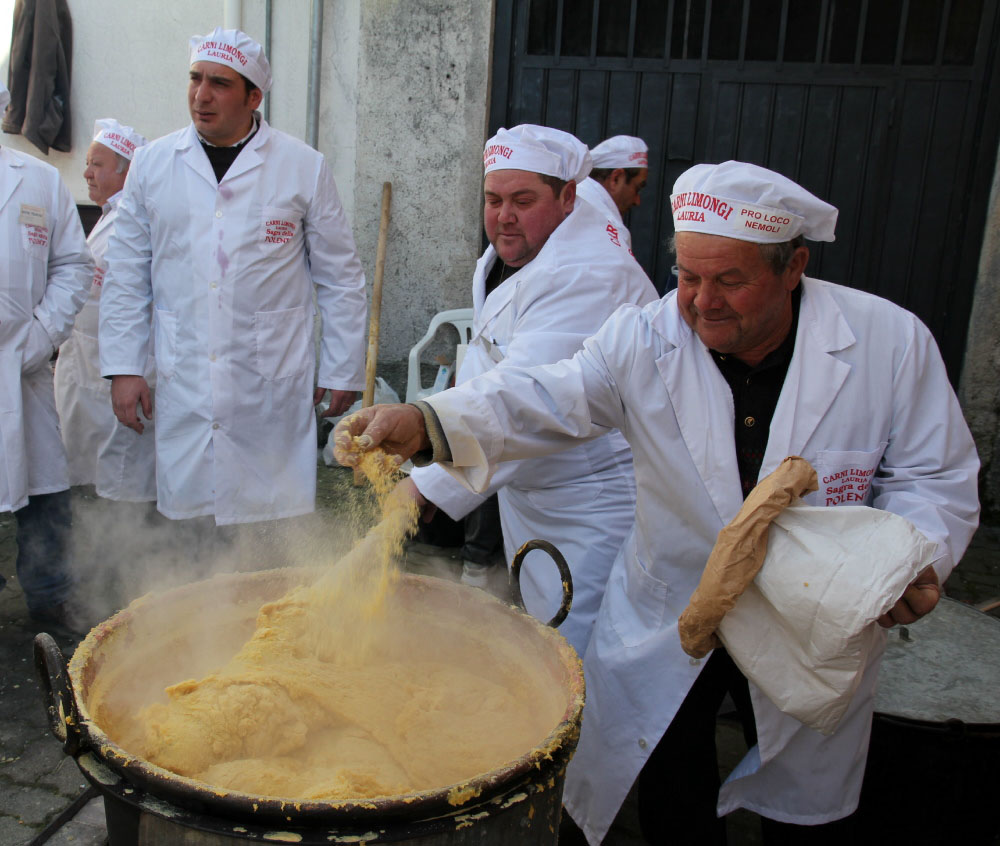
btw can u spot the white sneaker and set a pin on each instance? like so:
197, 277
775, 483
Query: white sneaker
475, 575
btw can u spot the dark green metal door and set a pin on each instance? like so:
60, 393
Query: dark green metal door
889, 109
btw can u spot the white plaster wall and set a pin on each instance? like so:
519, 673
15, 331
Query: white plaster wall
422, 109
130, 62
404, 92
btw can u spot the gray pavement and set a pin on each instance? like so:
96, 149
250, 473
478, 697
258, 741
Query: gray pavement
37, 781
39, 784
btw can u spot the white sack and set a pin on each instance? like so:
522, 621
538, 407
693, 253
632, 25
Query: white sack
804, 628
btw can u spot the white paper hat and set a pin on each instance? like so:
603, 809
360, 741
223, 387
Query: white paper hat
750, 203
4, 97
122, 139
621, 151
236, 49
539, 149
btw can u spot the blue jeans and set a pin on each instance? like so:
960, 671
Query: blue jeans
43, 528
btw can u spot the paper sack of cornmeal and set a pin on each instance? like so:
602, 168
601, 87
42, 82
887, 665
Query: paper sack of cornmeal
794, 593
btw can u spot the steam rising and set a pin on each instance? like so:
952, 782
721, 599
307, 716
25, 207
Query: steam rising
345, 687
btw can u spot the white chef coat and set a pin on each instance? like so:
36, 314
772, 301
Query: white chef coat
866, 390
229, 269
45, 272
597, 195
582, 500
100, 450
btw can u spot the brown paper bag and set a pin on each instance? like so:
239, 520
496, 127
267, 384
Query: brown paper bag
739, 553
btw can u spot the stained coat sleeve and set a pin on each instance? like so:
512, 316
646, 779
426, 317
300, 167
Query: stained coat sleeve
127, 295
340, 288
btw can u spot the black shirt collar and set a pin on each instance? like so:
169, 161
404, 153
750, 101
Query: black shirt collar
221, 158
779, 357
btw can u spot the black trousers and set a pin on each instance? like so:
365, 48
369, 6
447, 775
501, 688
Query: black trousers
483, 535
679, 786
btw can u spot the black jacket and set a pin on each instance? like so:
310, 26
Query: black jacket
41, 49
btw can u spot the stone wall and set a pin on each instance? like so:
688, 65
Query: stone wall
134, 67
980, 388
423, 76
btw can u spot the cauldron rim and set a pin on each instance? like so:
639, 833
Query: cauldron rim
553, 753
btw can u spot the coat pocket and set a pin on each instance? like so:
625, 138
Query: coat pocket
38, 349
279, 230
845, 476
165, 343
283, 342
35, 240
637, 604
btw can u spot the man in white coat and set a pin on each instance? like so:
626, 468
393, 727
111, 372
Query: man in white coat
621, 168
553, 272
224, 231
45, 273
747, 362
101, 451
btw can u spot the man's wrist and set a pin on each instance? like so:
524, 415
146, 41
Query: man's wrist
439, 449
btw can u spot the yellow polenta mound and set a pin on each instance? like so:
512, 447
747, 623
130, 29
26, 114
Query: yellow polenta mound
349, 690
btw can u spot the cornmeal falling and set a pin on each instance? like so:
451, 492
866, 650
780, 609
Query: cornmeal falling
348, 691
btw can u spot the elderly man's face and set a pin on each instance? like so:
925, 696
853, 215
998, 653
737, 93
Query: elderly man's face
521, 212
101, 173
731, 297
219, 103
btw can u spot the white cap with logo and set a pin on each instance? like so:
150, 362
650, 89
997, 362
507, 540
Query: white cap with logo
621, 151
749, 203
116, 136
236, 49
539, 149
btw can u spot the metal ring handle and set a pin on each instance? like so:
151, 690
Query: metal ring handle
564, 573
64, 718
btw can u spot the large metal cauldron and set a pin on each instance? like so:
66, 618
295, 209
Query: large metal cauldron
933, 772
518, 802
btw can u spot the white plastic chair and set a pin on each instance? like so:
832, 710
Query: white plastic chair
461, 319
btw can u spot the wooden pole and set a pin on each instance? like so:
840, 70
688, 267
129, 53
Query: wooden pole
375, 315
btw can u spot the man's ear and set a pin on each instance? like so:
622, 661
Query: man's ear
568, 196
255, 98
796, 267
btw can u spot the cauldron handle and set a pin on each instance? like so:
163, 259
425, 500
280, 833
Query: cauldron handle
64, 718
564, 573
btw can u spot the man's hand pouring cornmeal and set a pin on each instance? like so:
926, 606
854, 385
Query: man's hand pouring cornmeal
396, 429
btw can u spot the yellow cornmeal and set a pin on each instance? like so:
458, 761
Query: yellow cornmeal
345, 691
